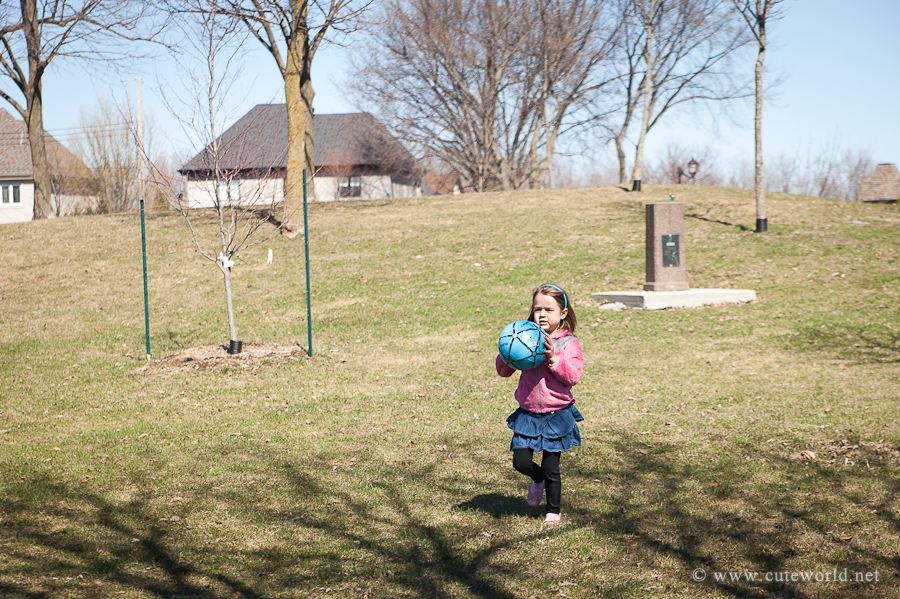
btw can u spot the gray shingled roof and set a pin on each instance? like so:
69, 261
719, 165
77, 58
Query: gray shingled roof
258, 141
883, 185
15, 151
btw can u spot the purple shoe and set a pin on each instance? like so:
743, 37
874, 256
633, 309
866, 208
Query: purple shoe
535, 493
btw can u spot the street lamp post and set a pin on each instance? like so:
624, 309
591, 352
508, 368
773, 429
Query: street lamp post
693, 165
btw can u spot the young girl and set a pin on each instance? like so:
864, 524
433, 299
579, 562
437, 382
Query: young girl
547, 416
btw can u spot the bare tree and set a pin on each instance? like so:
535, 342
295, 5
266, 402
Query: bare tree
741, 176
575, 43
671, 53
648, 13
827, 172
106, 144
292, 31
39, 32
673, 166
70, 181
229, 182
486, 86
578, 173
757, 14
856, 167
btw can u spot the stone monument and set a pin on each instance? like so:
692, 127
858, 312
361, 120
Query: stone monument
665, 269
666, 284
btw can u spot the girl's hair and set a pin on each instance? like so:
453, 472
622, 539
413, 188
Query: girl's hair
562, 298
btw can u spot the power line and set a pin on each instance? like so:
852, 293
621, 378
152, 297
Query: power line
84, 132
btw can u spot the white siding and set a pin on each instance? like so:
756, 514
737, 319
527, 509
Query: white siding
70, 205
325, 190
263, 192
373, 187
24, 210
253, 192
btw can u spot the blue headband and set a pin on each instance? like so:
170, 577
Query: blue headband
565, 300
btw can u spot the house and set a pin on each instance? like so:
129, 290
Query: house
440, 184
882, 186
356, 157
17, 174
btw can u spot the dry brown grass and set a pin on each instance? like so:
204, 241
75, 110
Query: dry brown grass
379, 466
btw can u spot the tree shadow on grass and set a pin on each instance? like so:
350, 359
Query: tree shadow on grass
705, 217
862, 343
728, 516
304, 536
79, 544
307, 528
499, 506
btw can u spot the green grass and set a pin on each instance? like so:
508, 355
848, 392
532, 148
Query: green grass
379, 467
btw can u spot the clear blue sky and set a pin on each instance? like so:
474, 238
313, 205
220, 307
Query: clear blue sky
839, 61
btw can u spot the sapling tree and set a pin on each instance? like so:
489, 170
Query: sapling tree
757, 14
228, 180
291, 31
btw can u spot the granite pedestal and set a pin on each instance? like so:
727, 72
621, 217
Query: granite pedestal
690, 298
666, 268
666, 283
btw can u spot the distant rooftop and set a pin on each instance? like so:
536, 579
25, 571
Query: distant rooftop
15, 151
882, 186
259, 140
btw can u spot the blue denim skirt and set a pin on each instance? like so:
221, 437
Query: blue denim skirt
549, 431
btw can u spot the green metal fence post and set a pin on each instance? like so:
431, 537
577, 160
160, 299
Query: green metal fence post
308, 294
146, 299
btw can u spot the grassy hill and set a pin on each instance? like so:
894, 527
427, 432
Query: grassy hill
754, 438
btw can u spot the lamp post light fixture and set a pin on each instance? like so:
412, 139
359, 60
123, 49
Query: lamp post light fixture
693, 165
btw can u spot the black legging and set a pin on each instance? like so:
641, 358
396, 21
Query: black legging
548, 471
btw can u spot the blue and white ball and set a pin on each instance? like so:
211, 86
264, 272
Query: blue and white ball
521, 345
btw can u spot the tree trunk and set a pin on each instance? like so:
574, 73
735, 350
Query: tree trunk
551, 140
34, 117
760, 179
645, 119
298, 93
552, 134
620, 152
43, 199
648, 17
536, 168
229, 303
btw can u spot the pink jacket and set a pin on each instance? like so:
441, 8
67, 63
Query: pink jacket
546, 388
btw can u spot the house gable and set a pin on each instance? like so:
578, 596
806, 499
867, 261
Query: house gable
17, 173
350, 149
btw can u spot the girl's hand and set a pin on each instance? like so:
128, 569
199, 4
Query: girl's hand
549, 354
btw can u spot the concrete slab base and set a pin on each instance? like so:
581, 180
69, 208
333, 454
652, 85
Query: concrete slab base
659, 300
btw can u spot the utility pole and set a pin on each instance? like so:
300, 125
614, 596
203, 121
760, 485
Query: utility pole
140, 136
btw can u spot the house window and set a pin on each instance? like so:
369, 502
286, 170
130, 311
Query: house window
230, 191
16, 198
351, 187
